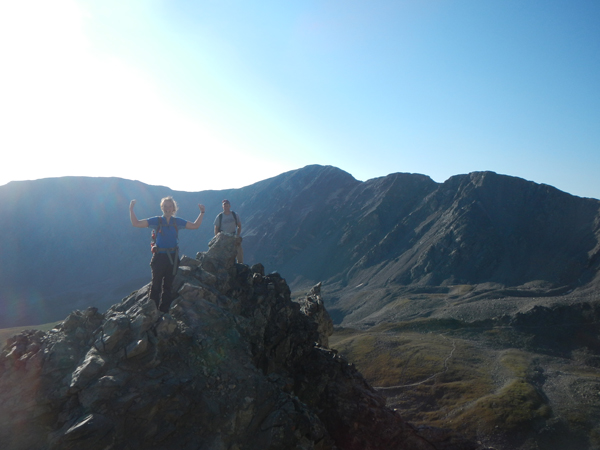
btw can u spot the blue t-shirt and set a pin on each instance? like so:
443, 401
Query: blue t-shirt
167, 237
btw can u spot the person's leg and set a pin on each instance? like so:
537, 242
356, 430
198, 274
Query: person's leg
167, 287
156, 285
159, 270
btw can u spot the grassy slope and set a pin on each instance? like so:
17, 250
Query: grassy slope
473, 381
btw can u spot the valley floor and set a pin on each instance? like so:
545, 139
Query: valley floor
473, 381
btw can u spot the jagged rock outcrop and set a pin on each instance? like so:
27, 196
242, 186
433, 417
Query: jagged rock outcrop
235, 365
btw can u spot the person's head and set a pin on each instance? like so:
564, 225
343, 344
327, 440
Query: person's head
226, 205
168, 206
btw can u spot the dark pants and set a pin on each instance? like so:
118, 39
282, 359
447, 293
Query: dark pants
162, 281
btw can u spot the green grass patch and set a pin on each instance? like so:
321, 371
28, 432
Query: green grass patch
514, 409
389, 360
460, 289
434, 377
517, 361
430, 325
434, 374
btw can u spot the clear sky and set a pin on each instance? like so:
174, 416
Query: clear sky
215, 94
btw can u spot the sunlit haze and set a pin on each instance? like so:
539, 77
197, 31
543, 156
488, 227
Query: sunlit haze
198, 95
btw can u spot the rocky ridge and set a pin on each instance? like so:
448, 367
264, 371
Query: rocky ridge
475, 236
235, 365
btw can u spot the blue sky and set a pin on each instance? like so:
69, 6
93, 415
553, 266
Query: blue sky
219, 94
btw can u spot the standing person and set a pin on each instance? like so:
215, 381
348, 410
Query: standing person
165, 249
229, 221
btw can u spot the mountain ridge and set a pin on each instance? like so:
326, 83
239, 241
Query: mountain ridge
475, 301
76, 247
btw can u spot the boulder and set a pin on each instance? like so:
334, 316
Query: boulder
234, 365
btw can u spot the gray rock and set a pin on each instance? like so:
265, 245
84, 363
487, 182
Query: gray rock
240, 367
88, 370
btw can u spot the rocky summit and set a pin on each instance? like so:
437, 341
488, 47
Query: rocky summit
236, 364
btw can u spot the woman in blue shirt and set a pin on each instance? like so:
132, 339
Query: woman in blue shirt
165, 251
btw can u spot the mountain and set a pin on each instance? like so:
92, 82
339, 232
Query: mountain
70, 244
469, 305
475, 236
236, 364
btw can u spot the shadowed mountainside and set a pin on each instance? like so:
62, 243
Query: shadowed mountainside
402, 233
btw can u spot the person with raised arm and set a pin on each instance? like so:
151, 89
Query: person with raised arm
165, 247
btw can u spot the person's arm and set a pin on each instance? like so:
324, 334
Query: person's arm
134, 220
216, 230
239, 226
195, 225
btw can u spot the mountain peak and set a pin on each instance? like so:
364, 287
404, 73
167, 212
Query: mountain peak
236, 364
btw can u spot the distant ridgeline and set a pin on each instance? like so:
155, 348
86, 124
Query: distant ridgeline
70, 243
